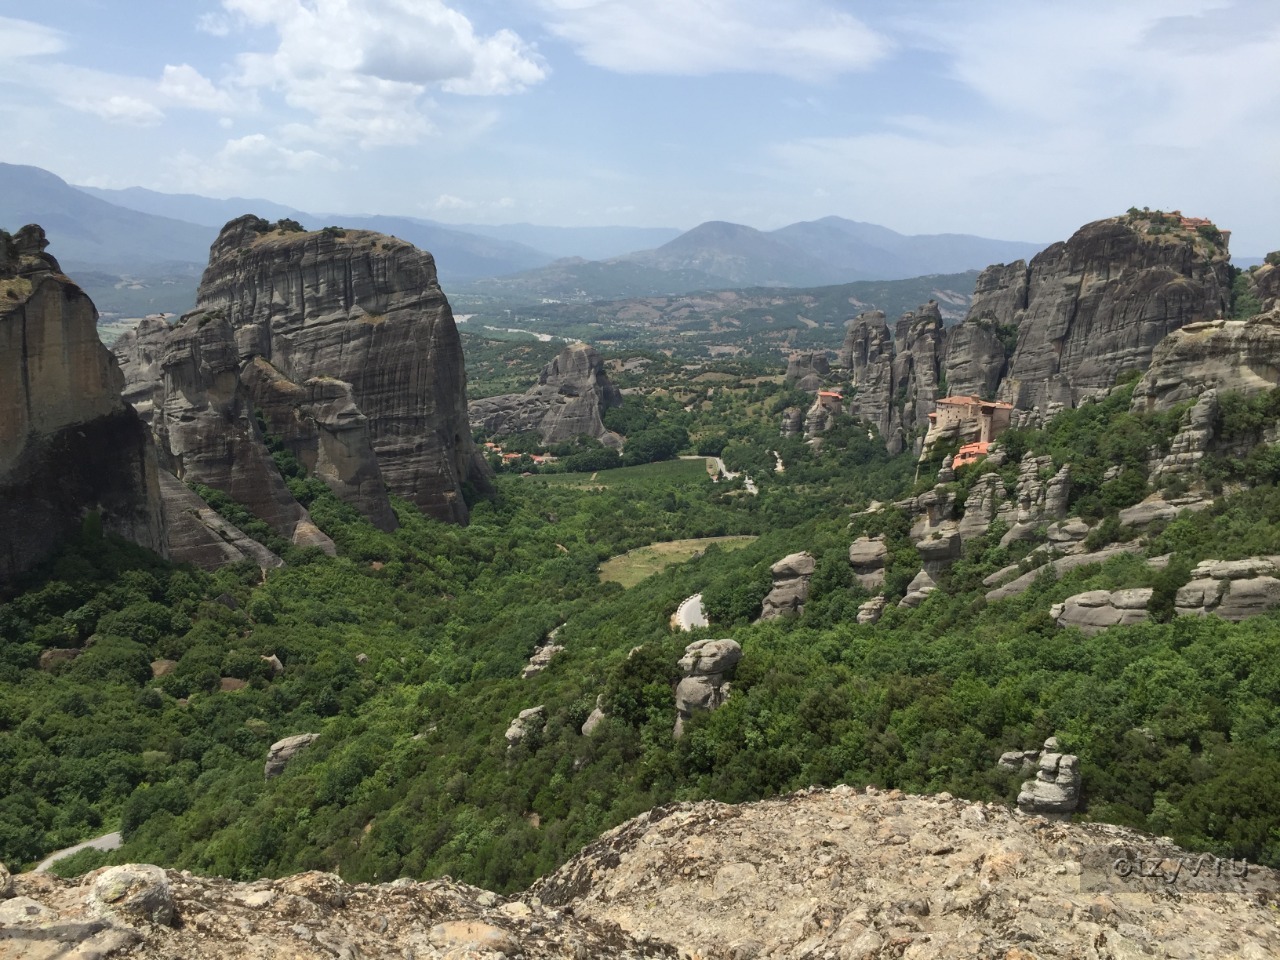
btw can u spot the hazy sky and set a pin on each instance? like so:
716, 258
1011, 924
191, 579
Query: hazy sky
1019, 120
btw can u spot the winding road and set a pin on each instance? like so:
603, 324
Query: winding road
690, 614
108, 841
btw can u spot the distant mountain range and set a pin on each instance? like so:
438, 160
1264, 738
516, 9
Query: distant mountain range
139, 232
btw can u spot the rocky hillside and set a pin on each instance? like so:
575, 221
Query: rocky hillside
69, 445
837, 873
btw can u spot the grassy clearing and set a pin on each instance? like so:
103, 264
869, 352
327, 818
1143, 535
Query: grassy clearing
631, 567
684, 471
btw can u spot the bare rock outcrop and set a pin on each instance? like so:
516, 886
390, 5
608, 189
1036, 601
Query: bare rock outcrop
1055, 790
282, 751
808, 371
840, 873
868, 556
790, 586
1039, 498
206, 431
871, 611
525, 722
1231, 589
707, 665
319, 422
365, 309
1241, 356
1098, 304
69, 444
569, 400
1096, 610
162, 914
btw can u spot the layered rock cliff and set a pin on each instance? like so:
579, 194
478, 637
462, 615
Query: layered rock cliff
69, 445
569, 400
345, 345
367, 310
894, 375
1091, 308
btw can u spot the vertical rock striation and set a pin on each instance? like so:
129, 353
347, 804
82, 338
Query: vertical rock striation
367, 310
69, 445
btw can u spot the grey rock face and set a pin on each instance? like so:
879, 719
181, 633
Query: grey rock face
1055, 791
790, 586
595, 717
707, 666
69, 445
1096, 610
206, 432
134, 892
541, 659
872, 610
282, 751
792, 422
1188, 447
918, 590
868, 556
365, 309
569, 400
1232, 590
808, 370
320, 424
1099, 303
1036, 500
984, 500
1224, 355
197, 534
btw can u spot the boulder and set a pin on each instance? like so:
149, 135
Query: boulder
707, 666
1231, 589
919, 588
790, 586
282, 751
1096, 610
872, 610
134, 893
525, 722
1055, 791
595, 717
868, 556
540, 659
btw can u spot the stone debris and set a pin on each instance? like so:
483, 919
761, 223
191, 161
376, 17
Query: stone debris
790, 586
282, 751
840, 873
145, 913
707, 666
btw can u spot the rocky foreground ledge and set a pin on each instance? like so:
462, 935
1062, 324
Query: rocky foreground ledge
822, 873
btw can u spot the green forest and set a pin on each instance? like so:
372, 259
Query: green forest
405, 653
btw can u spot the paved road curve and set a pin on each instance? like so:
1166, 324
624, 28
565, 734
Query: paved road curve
690, 613
108, 841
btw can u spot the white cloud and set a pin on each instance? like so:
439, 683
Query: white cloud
805, 39
259, 154
447, 201
119, 108
22, 38
363, 69
186, 86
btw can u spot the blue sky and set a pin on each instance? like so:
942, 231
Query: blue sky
1014, 120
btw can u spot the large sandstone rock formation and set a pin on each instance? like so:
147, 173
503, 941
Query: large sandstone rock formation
790, 586
875, 875
1231, 589
894, 375
1095, 306
1096, 610
569, 400
69, 445
365, 309
206, 432
1055, 789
